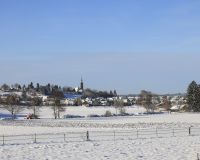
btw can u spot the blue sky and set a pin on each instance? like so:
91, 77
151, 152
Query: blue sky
124, 45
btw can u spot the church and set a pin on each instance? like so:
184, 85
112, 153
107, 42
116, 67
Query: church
78, 92
81, 87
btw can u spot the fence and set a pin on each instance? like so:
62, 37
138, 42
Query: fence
99, 135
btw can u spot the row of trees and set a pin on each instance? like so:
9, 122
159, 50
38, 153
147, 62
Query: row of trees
13, 103
146, 99
95, 94
43, 89
48, 89
192, 97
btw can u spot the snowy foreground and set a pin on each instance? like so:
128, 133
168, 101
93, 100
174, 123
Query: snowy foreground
161, 146
142, 149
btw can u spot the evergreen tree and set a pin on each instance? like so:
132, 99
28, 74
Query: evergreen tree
111, 93
5, 87
115, 93
48, 88
30, 86
24, 87
24, 95
37, 87
19, 87
193, 97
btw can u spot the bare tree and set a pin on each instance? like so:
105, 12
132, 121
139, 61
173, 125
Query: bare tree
36, 102
166, 103
119, 105
12, 105
57, 106
78, 102
146, 101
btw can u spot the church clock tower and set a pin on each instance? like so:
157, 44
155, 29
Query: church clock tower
81, 85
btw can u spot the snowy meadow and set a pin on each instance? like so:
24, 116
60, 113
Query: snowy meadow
153, 137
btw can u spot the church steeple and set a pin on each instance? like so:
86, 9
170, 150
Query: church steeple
81, 85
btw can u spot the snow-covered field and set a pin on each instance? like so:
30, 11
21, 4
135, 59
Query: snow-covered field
156, 147
47, 112
173, 148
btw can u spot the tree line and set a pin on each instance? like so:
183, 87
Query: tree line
192, 99
14, 104
49, 88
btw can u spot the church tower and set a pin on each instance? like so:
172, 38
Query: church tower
81, 85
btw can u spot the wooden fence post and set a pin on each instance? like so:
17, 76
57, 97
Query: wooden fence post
3, 140
173, 132
64, 137
114, 135
189, 131
137, 133
87, 136
156, 131
35, 138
